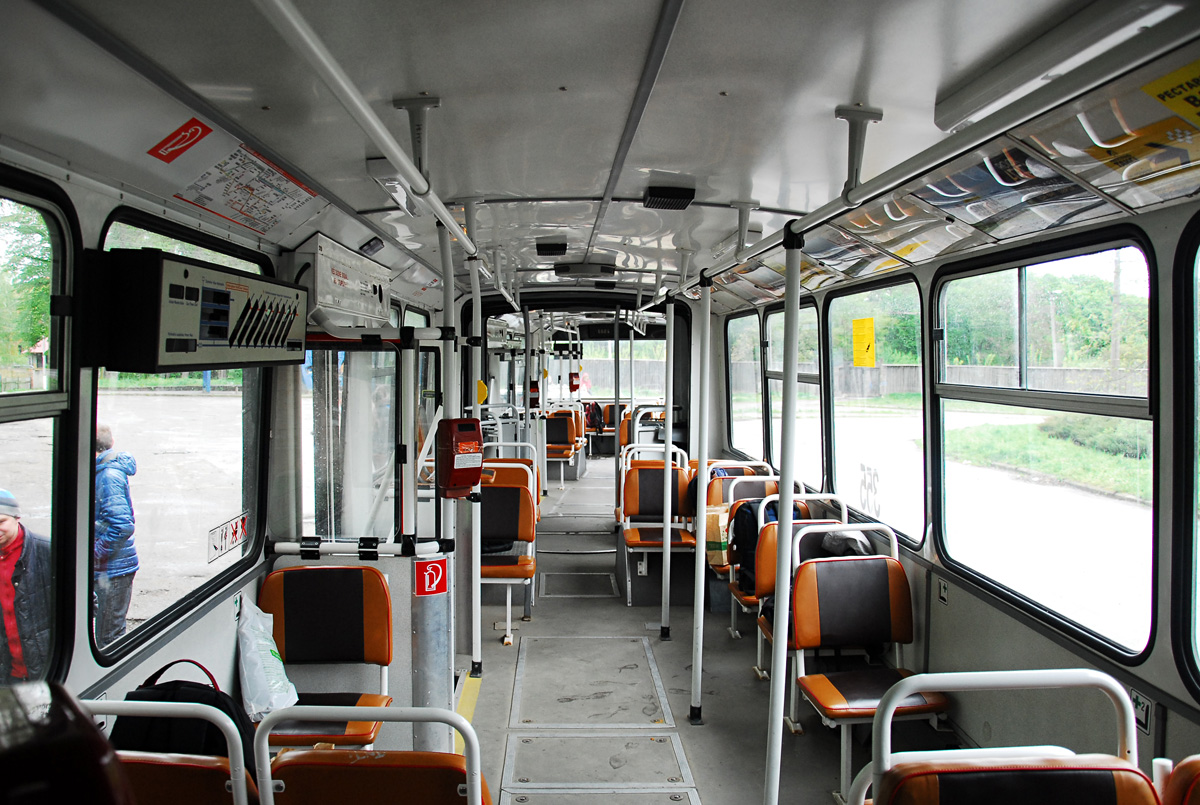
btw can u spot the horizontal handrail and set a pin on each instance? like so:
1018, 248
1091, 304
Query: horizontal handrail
841, 528
808, 496
262, 750
881, 753
233, 739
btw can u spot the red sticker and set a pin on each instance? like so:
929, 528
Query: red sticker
180, 140
430, 576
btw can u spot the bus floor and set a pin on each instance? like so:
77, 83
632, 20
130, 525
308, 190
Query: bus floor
590, 705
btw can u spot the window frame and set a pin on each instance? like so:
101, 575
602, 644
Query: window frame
61, 406
804, 378
828, 401
1185, 550
762, 408
152, 628
1147, 408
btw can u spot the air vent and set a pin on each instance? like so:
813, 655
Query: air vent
668, 198
551, 249
606, 285
584, 270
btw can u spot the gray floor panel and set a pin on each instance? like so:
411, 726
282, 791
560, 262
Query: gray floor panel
562, 797
575, 761
578, 585
609, 682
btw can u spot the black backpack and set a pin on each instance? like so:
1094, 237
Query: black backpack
191, 736
743, 536
594, 417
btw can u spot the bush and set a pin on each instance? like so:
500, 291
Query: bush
1117, 437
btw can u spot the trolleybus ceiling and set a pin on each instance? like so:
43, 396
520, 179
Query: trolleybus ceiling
553, 120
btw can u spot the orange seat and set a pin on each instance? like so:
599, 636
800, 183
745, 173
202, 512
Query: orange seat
506, 520
642, 514
854, 601
1183, 786
331, 614
180, 779
324, 776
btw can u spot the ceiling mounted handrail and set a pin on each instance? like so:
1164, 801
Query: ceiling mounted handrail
299, 34
1138, 51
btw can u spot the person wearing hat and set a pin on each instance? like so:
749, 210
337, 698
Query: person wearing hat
114, 557
24, 596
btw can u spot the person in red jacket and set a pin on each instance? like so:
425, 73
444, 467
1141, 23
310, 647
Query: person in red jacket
24, 597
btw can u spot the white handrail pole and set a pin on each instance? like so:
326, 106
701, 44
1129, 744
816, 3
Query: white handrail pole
300, 35
787, 476
701, 503
668, 466
477, 354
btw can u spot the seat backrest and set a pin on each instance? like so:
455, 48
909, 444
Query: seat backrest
180, 779
608, 414
506, 473
643, 492
506, 513
851, 601
1183, 786
1094, 779
766, 556
560, 431
329, 614
719, 488
324, 776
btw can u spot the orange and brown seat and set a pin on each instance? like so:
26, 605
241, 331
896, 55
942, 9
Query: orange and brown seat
642, 513
507, 531
324, 776
1183, 786
1094, 779
331, 615
180, 779
854, 602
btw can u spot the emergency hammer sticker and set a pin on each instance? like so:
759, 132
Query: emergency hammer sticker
430, 576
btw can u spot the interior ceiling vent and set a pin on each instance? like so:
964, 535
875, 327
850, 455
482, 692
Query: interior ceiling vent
551, 249
668, 198
584, 270
606, 285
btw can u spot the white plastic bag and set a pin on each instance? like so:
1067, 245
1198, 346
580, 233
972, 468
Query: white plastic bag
265, 686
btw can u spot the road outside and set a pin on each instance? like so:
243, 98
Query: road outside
1085, 554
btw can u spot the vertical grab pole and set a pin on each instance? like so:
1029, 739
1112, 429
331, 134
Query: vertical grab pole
408, 437
527, 435
632, 392
792, 242
477, 354
433, 615
617, 406
668, 470
701, 500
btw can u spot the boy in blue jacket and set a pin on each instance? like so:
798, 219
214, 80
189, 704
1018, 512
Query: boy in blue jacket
115, 559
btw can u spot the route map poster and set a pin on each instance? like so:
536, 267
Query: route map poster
249, 190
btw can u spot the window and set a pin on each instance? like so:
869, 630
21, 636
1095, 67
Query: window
415, 318
349, 478
29, 253
32, 254
121, 235
644, 374
875, 351
1046, 436
160, 438
745, 385
808, 396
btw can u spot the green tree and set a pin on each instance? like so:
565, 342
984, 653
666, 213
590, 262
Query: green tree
26, 267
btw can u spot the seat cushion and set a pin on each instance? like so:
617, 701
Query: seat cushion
339, 775
339, 733
744, 598
179, 779
508, 567
643, 538
856, 694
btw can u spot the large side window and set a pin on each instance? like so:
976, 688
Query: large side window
1046, 436
32, 255
875, 353
808, 396
745, 385
159, 438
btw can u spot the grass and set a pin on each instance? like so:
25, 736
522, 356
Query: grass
1028, 449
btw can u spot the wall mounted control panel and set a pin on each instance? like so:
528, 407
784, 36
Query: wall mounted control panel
170, 313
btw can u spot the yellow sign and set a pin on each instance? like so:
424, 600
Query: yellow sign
864, 342
545, 374
481, 391
1179, 91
